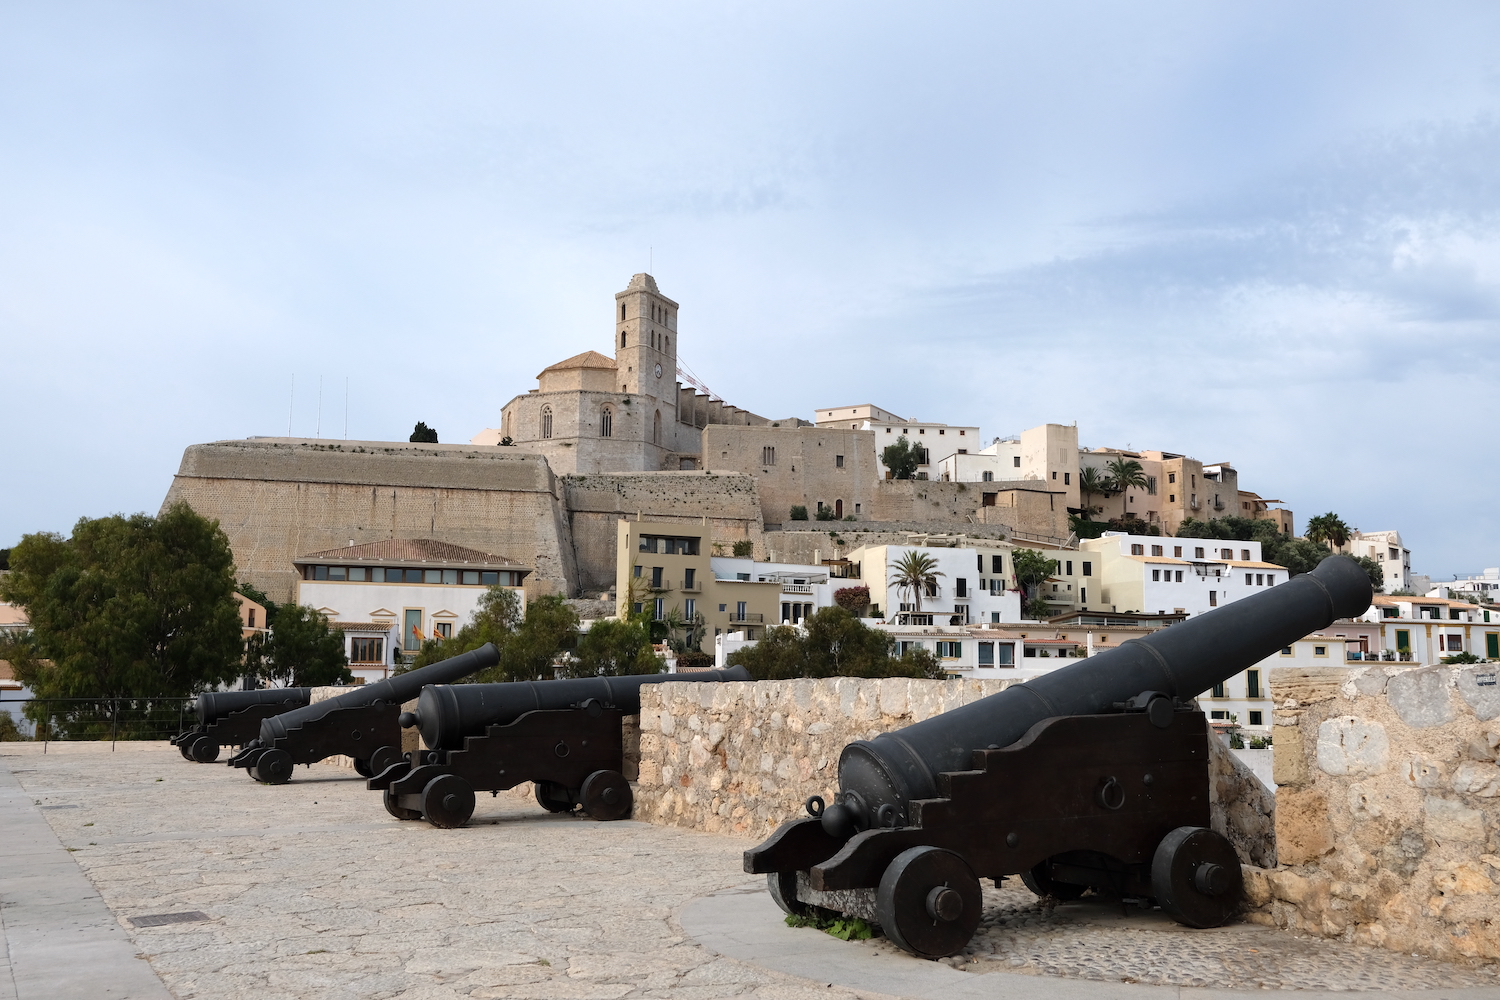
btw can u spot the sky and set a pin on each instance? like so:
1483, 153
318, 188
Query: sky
1256, 233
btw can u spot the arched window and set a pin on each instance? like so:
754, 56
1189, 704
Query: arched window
606, 423
666, 344
622, 310
623, 336
656, 429
546, 421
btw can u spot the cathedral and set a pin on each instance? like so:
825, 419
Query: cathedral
630, 413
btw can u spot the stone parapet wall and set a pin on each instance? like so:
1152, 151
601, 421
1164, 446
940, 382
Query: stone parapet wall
1388, 808
743, 758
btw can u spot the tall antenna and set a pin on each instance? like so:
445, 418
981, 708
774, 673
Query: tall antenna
291, 399
346, 407
319, 432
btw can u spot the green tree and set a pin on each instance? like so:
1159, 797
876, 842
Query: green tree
1298, 555
1092, 483
9, 731
1032, 569
612, 647
825, 514
1328, 529
902, 458
914, 572
496, 616
424, 434
1374, 571
798, 512
1126, 474
126, 610
832, 643
743, 549
548, 629
302, 650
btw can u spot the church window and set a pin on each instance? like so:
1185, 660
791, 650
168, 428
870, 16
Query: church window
622, 310
624, 336
666, 344
656, 429
546, 421
606, 423
768, 455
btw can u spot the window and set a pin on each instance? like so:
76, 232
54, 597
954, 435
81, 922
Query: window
251, 622
546, 421
1219, 716
1226, 553
1252, 684
659, 611
1218, 691
768, 455
1067, 478
1257, 718
690, 608
1245, 554
1177, 551
1395, 554
997, 565
739, 610
491, 579
442, 630
411, 631
980, 559
988, 477
432, 576
357, 574
1320, 650
1198, 552
656, 577
1151, 485
1016, 461
1403, 640
1492, 645
995, 617
1270, 579
1054, 475
1083, 595
1213, 598
1138, 550
1156, 576
656, 428
1453, 614
1455, 643
366, 650
1069, 571
1171, 498
838, 461
1390, 612
950, 650
1088, 569
1171, 477
986, 654
961, 587
1156, 550
1179, 576
1259, 578
1286, 650
606, 423
722, 607
1248, 578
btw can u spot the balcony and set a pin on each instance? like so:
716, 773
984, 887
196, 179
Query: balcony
659, 586
748, 618
690, 587
796, 588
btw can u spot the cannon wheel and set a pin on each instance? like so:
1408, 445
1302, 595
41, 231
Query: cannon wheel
274, 767
1039, 880
1196, 877
204, 750
448, 801
362, 767
182, 748
553, 797
606, 795
783, 889
389, 798
929, 902
382, 758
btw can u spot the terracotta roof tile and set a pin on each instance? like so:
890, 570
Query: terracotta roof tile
411, 550
588, 359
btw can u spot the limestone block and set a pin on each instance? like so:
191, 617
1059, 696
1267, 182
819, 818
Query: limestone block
1482, 780
1368, 681
1287, 886
1288, 761
1480, 749
893, 695
666, 722
1480, 687
1451, 820
1351, 745
1463, 880
1257, 885
1420, 697
1303, 830
1421, 773
1307, 685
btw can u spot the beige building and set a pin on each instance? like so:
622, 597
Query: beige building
591, 413
664, 566
935, 441
813, 467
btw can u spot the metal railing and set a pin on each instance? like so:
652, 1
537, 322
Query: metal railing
690, 587
748, 618
56, 720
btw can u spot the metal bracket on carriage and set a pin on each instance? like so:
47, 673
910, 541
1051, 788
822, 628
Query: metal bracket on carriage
1157, 706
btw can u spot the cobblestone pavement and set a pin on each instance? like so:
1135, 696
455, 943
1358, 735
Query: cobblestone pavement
1101, 940
310, 889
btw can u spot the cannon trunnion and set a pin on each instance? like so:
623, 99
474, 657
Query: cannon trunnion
1094, 775
566, 736
363, 723
233, 718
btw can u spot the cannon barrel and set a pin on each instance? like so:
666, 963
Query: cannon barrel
394, 690
447, 713
1181, 662
214, 705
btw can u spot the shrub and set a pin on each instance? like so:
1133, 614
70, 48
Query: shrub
852, 599
744, 549
799, 513
826, 514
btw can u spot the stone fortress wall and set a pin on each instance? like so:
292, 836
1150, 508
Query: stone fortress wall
280, 498
1388, 808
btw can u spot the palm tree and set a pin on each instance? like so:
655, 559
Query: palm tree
1328, 529
1126, 474
1092, 483
914, 572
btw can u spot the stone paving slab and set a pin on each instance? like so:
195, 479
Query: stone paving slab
58, 939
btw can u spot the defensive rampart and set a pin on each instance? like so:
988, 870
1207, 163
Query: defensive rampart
280, 498
1388, 808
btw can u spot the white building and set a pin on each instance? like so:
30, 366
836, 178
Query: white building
393, 594
1385, 548
936, 441
1486, 586
1153, 573
804, 589
971, 584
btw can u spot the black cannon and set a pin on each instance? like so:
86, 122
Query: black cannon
1092, 776
363, 723
232, 718
565, 736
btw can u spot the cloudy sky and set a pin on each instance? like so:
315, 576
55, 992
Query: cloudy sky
1258, 233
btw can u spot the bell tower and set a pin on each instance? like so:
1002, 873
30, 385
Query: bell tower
646, 343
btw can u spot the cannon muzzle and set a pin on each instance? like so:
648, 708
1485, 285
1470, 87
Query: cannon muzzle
214, 705
879, 778
447, 713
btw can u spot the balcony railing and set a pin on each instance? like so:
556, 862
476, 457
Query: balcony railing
690, 587
796, 588
747, 618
